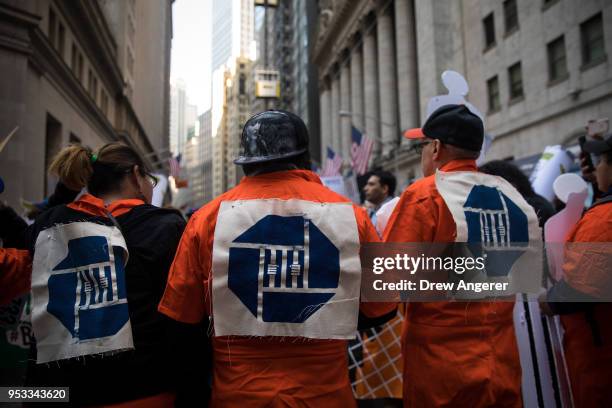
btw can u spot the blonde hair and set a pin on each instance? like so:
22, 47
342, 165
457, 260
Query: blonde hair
102, 171
72, 165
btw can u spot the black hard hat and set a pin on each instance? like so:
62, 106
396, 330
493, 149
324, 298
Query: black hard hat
272, 135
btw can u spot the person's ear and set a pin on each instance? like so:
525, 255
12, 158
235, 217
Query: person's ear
136, 177
436, 149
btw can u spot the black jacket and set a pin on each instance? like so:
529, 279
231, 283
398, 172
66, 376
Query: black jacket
152, 236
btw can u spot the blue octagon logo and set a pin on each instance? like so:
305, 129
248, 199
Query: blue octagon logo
497, 225
87, 293
283, 269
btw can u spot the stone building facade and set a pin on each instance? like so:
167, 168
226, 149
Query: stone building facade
68, 77
537, 69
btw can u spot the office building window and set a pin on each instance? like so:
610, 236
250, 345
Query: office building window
557, 60
74, 58
53, 144
515, 81
489, 31
92, 85
591, 32
80, 68
510, 16
493, 94
61, 36
242, 84
52, 24
104, 102
130, 62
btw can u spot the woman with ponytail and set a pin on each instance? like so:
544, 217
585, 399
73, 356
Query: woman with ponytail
100, 266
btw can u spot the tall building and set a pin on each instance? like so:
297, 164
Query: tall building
537, 81
198, 161
265, 46
295, 28
178, 108
151, 96
191, 121
219, 131
291, 26
238, 112
206, 141
68, 76
232, 31
192, 168
233, 48
183, 117
136, 24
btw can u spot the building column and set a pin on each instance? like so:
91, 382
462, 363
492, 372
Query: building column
407, 76
326, 122
345, 105
386, 82
357, 89
370, 90
335, 122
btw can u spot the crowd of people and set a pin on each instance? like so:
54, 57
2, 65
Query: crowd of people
253, 300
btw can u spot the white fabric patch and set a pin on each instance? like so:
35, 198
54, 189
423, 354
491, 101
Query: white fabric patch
286, 268
79, 301
489, 210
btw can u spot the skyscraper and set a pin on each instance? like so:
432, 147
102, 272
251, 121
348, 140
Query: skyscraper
206, 149
232, 31
290, 34
233, 47
294, 25
178, 104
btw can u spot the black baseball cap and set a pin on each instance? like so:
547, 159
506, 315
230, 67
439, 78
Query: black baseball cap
455, 125
599, 146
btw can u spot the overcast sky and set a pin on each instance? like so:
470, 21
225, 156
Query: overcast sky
191, 54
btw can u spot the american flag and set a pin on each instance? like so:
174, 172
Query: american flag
332, 164
360, 151
175, 166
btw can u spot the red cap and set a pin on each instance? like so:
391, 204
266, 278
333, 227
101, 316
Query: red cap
416, 133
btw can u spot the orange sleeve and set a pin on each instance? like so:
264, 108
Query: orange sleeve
413, 219
15, 273
186, 291
367, 233
588, 254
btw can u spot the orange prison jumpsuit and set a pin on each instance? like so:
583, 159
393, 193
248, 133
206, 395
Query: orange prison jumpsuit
263, 371
15, 273
590, 363
455, 353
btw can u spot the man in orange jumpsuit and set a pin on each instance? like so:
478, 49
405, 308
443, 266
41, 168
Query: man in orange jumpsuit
274, 263
458, 353
587, 278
